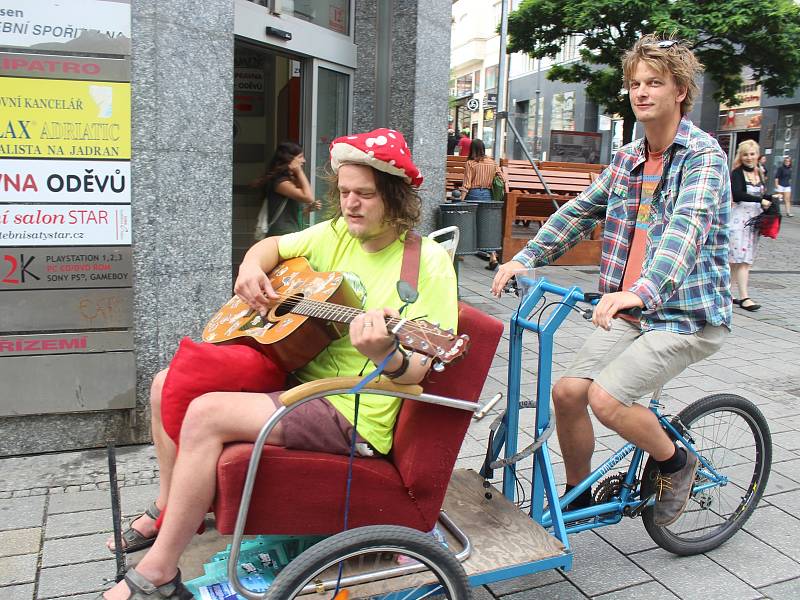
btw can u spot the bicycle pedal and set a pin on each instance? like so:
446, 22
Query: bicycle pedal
638, 509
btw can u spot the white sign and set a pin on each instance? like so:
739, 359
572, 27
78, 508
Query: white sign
24, 23
65, 181
473, 104
64, 225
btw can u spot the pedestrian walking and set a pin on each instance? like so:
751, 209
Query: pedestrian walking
783, 183
748, 191
464, 143
479, 173
286, 190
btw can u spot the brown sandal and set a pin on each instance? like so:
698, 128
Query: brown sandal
142, 589
133, 539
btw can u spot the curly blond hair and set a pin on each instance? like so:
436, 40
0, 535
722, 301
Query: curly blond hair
667, 56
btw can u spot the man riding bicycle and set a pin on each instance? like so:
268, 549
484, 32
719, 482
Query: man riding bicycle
666, 201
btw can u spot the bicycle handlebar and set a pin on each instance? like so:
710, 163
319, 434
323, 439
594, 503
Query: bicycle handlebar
591, 298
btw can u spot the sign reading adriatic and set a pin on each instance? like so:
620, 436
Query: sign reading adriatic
45, 118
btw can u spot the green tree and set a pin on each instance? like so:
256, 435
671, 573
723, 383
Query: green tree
763, 35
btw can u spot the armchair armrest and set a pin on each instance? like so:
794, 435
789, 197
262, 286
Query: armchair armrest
323, 386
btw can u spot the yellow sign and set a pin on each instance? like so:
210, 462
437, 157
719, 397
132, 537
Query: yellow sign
46, 118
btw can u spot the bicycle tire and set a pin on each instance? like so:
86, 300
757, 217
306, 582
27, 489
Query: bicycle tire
372, 539
707, 522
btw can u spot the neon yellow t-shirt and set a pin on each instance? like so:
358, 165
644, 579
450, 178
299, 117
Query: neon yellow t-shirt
330, 247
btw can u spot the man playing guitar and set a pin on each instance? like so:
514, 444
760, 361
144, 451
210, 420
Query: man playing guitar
376, 183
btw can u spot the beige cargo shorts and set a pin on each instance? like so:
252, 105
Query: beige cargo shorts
630, 364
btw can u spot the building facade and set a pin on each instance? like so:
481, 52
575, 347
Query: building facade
474, 68
214, 86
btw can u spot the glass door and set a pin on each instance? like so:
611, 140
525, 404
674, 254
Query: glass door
330, 111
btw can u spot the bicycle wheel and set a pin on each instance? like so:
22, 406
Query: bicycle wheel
733, 436
368, 549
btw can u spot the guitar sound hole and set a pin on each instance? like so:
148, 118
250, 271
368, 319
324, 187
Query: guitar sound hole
285, 307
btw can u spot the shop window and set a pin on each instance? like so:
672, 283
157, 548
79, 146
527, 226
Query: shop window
563, 112
491, 76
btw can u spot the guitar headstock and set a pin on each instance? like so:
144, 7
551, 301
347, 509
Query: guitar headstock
442, 346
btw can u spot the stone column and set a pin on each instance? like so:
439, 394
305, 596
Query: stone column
419, 70
182, 163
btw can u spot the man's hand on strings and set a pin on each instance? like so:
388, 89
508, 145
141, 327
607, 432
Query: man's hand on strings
369, 335
253, 286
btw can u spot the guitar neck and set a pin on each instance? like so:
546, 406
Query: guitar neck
330, 312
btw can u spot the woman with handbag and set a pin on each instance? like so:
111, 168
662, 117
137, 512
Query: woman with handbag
749, 201
479, 174
286, 189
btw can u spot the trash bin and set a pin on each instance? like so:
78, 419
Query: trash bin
463, 215
489, 221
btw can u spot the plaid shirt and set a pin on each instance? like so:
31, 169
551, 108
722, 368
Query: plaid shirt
685, 280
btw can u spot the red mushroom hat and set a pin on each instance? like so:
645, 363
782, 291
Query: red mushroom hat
383, 149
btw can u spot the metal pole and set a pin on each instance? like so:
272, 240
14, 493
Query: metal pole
116, 511
537, 143
502, 83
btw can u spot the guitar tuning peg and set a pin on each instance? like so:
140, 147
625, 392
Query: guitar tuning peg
438, 366
423, 361
424, 345
409, 339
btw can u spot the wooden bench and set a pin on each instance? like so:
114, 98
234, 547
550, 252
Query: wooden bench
527, 201
454, 173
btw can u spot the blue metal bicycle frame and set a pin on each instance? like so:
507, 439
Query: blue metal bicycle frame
543, 479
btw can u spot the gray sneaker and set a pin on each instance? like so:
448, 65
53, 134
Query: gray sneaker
673, 491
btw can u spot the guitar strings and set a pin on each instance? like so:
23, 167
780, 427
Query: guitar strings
295, 300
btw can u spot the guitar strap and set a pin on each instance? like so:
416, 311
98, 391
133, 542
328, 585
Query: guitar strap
409, 271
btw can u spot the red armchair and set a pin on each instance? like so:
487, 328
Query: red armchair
302, 493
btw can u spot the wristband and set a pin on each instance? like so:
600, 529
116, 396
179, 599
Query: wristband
400, 371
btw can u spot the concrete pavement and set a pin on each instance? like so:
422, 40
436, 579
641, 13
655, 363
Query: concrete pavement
54, 509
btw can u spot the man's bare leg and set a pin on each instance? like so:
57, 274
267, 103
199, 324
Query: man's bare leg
636, 423
165, 453
574, 426
206, 428
787, 200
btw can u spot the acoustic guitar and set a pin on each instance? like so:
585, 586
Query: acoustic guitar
314, 309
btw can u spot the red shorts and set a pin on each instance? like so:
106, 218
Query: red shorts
317, 426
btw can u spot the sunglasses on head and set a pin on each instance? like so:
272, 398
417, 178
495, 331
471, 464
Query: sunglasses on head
664, 44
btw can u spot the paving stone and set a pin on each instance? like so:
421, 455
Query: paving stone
594, 576
788, 501
17, 569
788, 440
19, 513
555, 591
753, 561
76, 579
787, 590
20, 541
92, 596
79, 501
80, 523
649, 591
693, 578
481, 593
526, 582
627, 536
17, 592
788, 468
72, 550
776, 528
